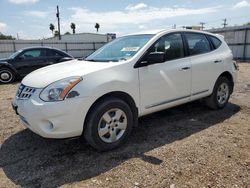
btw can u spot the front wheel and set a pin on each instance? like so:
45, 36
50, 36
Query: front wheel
108, 125
220, 95
6, 76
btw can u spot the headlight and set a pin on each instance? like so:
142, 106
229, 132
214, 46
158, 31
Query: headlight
58, 90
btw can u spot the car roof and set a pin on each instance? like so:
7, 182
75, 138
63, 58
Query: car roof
41, 47
156, 32
44, 47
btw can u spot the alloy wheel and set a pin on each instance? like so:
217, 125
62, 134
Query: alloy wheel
222, 93
112, 125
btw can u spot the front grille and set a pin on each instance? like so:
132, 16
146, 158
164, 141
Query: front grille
25, 92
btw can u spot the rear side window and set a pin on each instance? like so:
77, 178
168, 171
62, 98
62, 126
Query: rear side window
216, 42
54, 53
197, 43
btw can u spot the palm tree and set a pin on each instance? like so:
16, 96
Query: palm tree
73, 27
97, 26
51, 27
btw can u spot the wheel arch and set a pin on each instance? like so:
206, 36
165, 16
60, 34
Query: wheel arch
8, 66
116, 94
229, 76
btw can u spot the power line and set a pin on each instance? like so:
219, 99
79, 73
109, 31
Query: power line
202, 25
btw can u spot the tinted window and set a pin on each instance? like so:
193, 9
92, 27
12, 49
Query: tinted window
54, 53
197, 43
216, 42
171, 45
32, 54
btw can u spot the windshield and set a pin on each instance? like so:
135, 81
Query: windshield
12, 56
120, 49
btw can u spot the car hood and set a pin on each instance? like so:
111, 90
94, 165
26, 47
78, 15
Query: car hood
4, 60
43, 77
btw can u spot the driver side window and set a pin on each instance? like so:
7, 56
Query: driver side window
171, 45
32, 54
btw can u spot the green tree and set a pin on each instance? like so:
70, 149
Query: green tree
73, 27
248, 24
6, 37
51, 27
97, 26
67, 33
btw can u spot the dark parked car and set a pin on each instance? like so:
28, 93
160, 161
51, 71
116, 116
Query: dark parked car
27, 60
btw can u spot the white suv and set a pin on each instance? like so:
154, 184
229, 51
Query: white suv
102, 97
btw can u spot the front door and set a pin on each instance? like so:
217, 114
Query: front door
165, 84
30, 60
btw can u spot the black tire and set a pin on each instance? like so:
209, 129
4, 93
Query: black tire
6, 75
213, 101
94, 120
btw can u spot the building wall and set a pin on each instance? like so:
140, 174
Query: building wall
238, 39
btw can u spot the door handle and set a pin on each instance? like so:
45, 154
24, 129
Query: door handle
184, 68
217, 61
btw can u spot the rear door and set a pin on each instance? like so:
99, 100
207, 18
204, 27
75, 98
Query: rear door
30, 60
53, 56
168, 83
206, 64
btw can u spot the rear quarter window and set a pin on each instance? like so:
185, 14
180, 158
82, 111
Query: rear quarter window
215, 41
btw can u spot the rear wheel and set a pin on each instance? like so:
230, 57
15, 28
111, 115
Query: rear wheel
108, 124
220, 95
6, 76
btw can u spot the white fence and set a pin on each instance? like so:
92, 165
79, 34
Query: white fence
76, 49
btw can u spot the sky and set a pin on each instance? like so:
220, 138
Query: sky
30, 19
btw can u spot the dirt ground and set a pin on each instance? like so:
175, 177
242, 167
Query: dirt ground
187, 146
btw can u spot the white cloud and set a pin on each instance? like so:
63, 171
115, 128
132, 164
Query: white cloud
23, 1
3, 27
123, 20
242, 4
142, 27
136, 7
37, 13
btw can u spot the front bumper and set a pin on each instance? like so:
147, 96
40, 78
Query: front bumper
62, 119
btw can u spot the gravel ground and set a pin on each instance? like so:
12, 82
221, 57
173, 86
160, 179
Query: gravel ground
186, 146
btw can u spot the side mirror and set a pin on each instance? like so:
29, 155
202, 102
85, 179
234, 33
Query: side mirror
66, 59
154, 57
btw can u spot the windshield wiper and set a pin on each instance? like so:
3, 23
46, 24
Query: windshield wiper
101, 60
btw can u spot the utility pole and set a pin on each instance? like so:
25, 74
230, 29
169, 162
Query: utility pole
58, 21
174, 26
202, 25
224, 23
